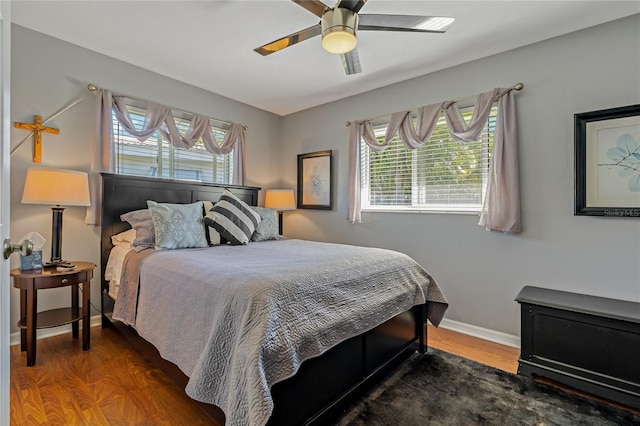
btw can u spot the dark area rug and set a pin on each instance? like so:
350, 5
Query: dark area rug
443, 389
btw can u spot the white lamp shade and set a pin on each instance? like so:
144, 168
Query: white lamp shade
280, 199
56, 187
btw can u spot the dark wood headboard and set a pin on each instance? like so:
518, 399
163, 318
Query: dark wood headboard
122, 194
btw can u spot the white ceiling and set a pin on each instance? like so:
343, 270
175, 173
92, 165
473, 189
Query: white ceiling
209, 44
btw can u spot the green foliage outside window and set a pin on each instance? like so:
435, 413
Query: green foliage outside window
442, 174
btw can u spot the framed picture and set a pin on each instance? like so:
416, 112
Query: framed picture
314, 181
607, 162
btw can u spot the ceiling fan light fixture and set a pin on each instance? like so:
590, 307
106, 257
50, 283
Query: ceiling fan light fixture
339, 30
339, 41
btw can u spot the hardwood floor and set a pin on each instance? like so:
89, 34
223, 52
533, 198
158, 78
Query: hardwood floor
112, 385
485, 352
108, 385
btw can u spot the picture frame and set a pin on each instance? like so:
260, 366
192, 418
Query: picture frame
607, 162
314, 180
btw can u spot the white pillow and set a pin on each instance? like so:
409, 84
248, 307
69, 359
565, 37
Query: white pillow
124, 238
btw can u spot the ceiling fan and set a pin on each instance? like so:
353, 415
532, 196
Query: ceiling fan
338, 27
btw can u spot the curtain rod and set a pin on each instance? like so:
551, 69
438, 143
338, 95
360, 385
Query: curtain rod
93, 88
517, 86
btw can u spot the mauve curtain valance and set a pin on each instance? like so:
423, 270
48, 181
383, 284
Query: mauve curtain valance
501, 205
157, 118
160, 118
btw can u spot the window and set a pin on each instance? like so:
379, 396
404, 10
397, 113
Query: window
443, 175
156, 157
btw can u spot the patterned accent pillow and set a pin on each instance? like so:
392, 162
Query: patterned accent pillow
267, 229
234, 219
141, 221
213, 236
177, 225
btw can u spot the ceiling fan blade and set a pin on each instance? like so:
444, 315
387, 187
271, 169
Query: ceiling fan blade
411, 23
351, 62
314, 6
353, 5
289, 40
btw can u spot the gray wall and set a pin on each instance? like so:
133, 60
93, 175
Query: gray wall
46, 75
481, 272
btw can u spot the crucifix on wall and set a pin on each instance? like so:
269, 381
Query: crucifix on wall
37, 128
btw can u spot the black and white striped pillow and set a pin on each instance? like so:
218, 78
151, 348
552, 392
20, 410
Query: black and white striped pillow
234, 219
213, 236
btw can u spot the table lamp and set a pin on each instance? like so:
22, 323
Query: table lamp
57, 188
281, 200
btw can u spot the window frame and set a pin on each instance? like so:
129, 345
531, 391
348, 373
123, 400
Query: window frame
380, 125
166, 153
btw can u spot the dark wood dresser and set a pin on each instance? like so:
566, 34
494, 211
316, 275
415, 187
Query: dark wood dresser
589, 343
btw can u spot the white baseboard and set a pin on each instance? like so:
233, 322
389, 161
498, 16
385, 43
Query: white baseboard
482, 333
460, 327
96, 320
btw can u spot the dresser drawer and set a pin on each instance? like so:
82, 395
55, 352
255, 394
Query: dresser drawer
53, 280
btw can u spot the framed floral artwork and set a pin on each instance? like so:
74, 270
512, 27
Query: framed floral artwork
314, 181
607, 162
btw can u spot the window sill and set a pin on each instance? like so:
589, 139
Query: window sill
421, 211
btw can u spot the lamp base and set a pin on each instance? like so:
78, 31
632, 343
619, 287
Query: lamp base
280, 223
56, 263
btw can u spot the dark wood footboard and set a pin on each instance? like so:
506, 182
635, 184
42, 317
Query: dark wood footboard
326, 386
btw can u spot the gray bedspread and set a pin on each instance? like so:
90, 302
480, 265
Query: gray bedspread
238, 319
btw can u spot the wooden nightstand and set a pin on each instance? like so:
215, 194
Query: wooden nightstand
29, 282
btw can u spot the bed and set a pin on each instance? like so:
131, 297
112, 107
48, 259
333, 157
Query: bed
324, 373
